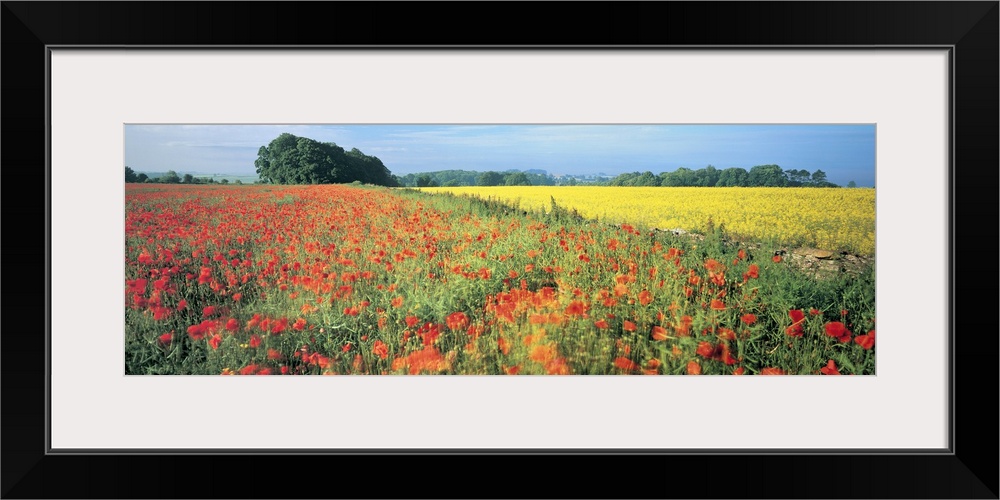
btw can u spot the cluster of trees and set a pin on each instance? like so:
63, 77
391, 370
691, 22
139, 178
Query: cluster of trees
299, 160
759, 176
171, 177
449, 178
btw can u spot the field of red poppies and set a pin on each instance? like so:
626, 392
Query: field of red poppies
346, 279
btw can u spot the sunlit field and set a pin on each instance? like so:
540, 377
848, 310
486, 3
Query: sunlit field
342, 279
835, 219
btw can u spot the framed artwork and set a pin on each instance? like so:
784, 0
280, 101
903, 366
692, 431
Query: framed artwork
306, 261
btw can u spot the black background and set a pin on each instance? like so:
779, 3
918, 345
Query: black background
971, 472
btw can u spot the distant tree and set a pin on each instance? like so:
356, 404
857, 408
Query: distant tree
707, 176
646, 179
424, 181
767, 176
516, 179
570, 182
797, 177
142, 177
681, 177
452, 183
623, 179
489, 178
238, 182
188, 179
224, 181
130, 175
852, 184
733, 177
170, 177
819, 177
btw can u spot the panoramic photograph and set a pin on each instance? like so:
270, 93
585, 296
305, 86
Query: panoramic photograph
536, 249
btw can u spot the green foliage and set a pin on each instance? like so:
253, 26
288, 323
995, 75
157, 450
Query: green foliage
426, 181
130, 175
489, 179
299, 160
516, 179
768, 176
170, 177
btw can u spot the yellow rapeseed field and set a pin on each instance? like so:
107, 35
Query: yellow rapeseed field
827, 218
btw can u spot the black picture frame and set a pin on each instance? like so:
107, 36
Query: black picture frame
969, 470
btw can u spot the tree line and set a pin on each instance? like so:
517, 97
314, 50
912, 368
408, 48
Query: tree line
451, 178
171, 177
758, 176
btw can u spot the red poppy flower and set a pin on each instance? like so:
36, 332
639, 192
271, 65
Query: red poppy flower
866, 341
628, 326
645, 297
772, 371
748, 318
196, 332
718, 305
838, 330
255, 340
830, 368
797, 318
776, 258
705, 349
457, 320
215, 341
575, 308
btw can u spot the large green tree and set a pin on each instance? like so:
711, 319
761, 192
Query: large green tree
300, 160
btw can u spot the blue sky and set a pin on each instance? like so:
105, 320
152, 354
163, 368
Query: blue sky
844, 152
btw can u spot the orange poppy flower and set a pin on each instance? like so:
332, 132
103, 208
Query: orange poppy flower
626, 364
659, 333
